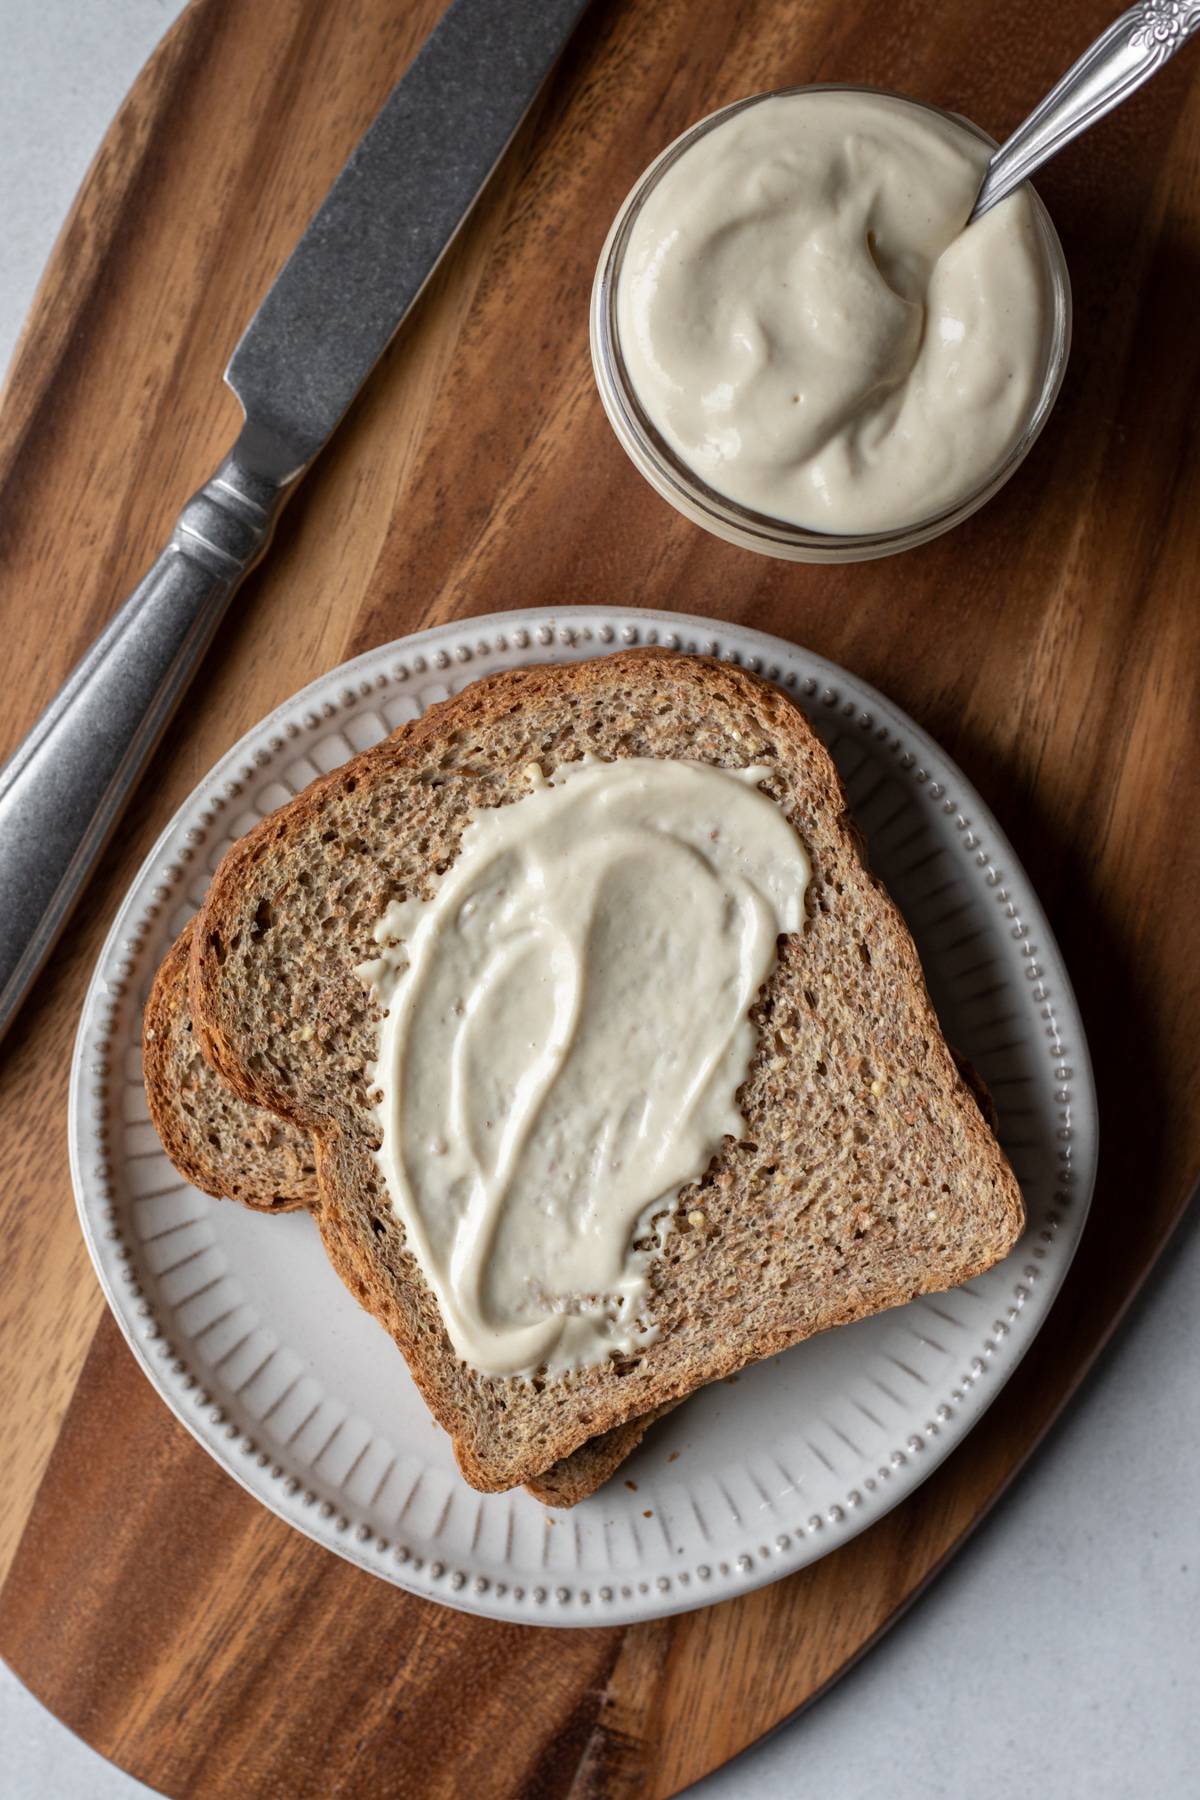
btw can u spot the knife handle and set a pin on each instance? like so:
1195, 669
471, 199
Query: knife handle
67, 783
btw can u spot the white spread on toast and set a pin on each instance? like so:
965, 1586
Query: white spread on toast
566, 1031
808, 325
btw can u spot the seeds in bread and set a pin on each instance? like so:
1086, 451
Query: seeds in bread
866, 1174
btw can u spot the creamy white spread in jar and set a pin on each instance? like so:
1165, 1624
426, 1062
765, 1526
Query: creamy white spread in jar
567, 1026
807, 324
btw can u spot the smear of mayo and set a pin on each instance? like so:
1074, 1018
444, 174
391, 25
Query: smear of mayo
566, 1031
806, 322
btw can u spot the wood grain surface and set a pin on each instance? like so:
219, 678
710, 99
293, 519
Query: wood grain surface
1051, 644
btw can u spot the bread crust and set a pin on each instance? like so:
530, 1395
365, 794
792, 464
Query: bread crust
932, 1195
275, 1180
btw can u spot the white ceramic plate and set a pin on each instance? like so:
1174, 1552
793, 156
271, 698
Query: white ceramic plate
254, 1343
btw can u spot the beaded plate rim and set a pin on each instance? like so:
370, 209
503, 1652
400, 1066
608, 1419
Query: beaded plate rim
823, 689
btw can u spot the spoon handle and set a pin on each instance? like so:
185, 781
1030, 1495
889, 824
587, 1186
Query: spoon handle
1128, 53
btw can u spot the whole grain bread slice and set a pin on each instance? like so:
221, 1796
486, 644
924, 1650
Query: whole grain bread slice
232, 1150
866, 1174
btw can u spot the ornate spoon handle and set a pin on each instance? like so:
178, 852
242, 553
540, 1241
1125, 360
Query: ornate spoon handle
1128, 53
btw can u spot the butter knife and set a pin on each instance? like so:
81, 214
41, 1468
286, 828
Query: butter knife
323, 325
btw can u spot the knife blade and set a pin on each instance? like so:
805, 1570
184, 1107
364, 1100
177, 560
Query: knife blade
324, 323
388, 219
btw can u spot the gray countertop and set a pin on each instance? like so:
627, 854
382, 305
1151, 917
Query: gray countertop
1060, 1650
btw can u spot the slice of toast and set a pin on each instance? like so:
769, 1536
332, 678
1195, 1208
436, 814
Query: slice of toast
236, 1151
866, 1174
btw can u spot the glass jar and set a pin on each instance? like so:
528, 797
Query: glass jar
692, 496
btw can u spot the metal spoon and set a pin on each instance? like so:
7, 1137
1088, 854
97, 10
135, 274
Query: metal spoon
1126, 55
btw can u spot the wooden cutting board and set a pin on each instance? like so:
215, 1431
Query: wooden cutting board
1051, 644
